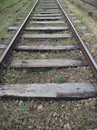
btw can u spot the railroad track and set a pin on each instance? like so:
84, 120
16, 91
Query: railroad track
8, 6
47, 57
92, 2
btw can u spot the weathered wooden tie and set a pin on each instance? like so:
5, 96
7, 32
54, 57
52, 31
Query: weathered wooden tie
60, 28
47, 22
7, 36
48, 7
12, 28
49, 90
42, 48
94, 46
46, 36
46, 15
46, 18
3, 47
49, 12
51, 28
46, 48
45, 63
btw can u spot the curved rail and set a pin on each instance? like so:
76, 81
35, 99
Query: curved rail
83, 47
12, 44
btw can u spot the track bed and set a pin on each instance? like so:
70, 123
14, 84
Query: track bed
47, 57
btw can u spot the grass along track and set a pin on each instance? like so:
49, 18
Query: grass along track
88, 32
7, 4
12, 14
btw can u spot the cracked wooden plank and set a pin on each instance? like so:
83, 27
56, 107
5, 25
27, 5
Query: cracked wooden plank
46, 15
46, 18
46, 36
51, 28
45, 63
42, 48
49, 90
47, 22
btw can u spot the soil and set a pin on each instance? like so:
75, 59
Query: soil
79, 74
53, 42
48, 55
48, 114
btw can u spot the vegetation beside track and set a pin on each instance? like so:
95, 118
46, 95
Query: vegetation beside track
10, 15
79, 12
6, 3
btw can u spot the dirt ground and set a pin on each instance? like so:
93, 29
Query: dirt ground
48, 114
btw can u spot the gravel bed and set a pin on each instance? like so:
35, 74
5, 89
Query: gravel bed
73, 74
54, 42
48, 114
48, 55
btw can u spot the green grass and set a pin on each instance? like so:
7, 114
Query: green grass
62, 79
1, 32
80, 17
53, 40
72, 41
23, 108
78, 29
39, 72
4, 3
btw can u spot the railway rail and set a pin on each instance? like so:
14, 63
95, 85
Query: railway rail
48, 50
8, 6
92, 2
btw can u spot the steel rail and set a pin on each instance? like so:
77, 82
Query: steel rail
12, 44
83, 47
9, 5
90, 2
